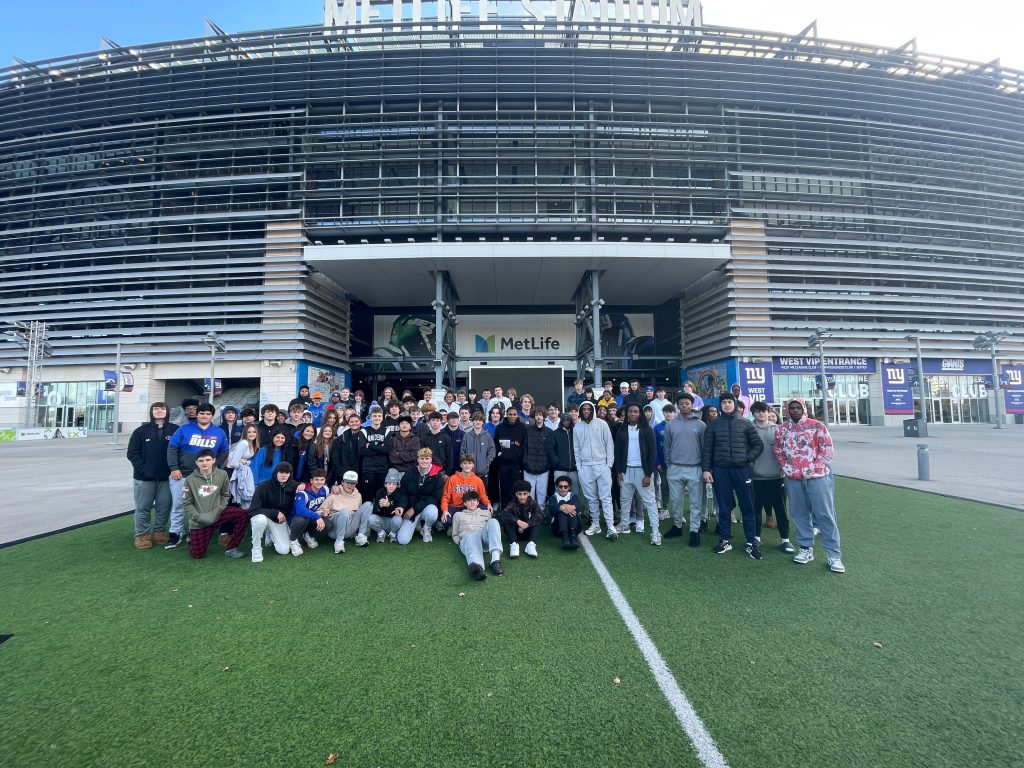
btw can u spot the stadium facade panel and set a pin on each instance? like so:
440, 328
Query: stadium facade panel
151, 194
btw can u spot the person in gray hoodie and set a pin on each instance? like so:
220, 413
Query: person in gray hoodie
595, 456
769, 480
684, 441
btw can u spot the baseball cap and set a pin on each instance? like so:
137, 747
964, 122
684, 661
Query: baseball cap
317, 396
350, 477
392, 476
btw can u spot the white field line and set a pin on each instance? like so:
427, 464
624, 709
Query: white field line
707, 750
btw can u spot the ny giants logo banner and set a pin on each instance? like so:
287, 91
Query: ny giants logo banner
756, 381
897, 393
1013, 375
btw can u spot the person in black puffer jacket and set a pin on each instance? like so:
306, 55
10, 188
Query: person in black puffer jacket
536, 457
731, 445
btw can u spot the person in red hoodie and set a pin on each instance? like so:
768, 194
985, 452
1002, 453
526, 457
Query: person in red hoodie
803, 448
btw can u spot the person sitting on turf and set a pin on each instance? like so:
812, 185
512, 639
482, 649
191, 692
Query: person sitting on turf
419, 497
473, 528
204, 497
305, 513
455, 489
345, 513
521, 519
564, 509
386, 514
272, 501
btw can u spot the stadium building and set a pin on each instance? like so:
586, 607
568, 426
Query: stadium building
416, 188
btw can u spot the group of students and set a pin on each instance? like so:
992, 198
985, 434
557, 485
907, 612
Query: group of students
398, 466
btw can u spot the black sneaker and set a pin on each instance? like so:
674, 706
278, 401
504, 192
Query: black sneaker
703, 526
722, 547
754, 551
673, 533
694, 539
173, 541
476, 571
496, 568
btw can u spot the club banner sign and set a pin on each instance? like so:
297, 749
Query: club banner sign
1013, 391
897, 392
812, 364
756, 381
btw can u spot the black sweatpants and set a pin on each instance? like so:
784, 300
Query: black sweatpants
512, 532
770, 499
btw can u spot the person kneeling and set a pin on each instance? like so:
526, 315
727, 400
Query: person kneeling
204, 497
345, 513
386, 514
564, 511
521, 519
473, 529
305, 513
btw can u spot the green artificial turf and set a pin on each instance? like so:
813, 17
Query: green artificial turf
118, 657
126, 658
779, 658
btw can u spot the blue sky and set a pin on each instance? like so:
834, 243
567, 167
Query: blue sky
979, 31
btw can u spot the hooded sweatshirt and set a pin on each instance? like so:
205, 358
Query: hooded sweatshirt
765, 466
189, 440
204, 497
592, 440
803, 448
147, 450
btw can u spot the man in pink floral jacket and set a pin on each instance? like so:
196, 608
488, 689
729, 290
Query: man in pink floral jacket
803, 448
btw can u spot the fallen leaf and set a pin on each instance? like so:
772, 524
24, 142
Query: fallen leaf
490, 695
617, 681
190, 606
462, 594
876, 645
332, 758
227, 669
174, 590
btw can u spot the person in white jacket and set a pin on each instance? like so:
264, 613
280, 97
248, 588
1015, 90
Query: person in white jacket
595, 455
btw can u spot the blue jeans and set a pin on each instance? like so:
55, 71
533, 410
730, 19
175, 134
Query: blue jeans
177, 511
812, 503
738, 481
147, 494
428, 517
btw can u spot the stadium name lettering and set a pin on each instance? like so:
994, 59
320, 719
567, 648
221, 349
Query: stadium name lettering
533, 342
533, 14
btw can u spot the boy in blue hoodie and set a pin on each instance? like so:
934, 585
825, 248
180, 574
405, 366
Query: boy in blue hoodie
304, 512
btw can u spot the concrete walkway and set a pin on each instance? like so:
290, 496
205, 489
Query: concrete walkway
49, 485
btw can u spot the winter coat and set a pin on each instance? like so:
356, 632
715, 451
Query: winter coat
730, 442
418, 491
561, 453
535, 453
648, 449
508, 441
345, 455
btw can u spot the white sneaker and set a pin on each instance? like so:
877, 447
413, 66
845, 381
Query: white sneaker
257, 554
392, 537
513, 549
339, 546
640, 528
530, 549
593, 530
427, 536
295, 548
361, 540
656, 540
310, 541
623, 530
835, 564
804, 556
381, 537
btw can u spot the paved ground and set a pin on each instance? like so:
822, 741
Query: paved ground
49, 485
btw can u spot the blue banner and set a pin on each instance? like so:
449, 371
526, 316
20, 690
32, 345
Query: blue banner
109, 381
1014, 388
756, 381
897, 393
957, 366
812, 364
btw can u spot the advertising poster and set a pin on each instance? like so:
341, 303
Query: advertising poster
897, 392
320, 378
711, 379
756, 381
12, 395
1014, 389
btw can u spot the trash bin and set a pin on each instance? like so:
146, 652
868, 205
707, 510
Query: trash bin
915, 428
110, 427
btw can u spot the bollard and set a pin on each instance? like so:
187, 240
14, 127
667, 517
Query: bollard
923, 470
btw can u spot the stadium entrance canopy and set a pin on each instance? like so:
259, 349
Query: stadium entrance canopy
587, 274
